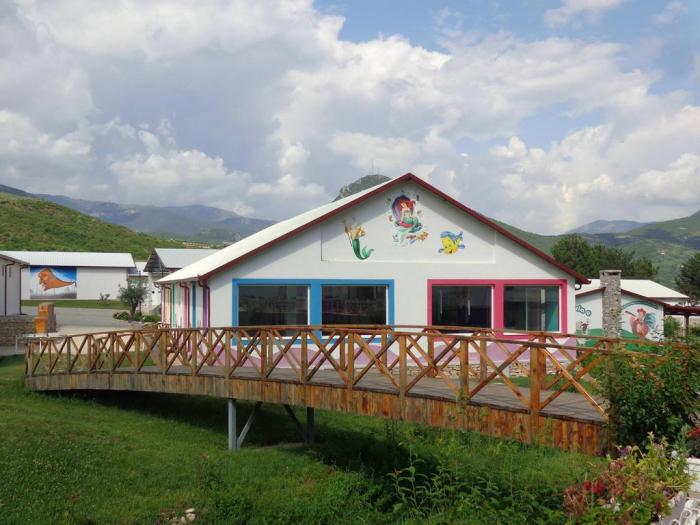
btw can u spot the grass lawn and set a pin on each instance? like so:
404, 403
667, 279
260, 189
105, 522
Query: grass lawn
80, 303
143, 458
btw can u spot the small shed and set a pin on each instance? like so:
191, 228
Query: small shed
52, 276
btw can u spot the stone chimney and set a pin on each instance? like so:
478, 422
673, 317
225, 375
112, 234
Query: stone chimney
612, 302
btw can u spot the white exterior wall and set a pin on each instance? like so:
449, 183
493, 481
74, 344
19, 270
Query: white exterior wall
91, 282
324, 252
9, 288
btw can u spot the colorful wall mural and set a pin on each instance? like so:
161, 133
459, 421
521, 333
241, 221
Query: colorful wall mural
639, 319
355, 234
53, 282
451, 242
406, 215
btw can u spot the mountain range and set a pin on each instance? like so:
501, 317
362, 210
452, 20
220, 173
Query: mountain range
666, 243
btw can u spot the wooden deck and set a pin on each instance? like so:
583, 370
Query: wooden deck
404, 373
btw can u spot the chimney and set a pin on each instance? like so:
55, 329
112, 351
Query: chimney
612, 302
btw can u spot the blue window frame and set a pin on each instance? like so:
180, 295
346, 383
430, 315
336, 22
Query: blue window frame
315, 287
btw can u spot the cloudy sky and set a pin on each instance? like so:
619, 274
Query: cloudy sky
544, 113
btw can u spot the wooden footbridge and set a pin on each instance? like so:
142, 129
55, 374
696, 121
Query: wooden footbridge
531, 387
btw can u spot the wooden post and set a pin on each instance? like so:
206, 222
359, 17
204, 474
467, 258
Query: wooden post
403, 375
162, 348
535, 385
385, 356
351, 358
193, 350
68, 355
432, 372
483, 367
464, 368
304, 357
343, 361
227, 354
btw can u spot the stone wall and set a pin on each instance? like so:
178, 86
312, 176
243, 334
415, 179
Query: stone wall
13, 325
612, 302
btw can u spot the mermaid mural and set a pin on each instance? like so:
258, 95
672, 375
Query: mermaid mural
405, 215
355, 233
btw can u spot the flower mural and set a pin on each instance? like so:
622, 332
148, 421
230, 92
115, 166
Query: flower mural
406, 216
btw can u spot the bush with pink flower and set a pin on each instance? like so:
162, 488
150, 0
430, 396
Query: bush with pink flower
636, 487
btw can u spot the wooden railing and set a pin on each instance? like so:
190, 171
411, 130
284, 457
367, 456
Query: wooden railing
404, 359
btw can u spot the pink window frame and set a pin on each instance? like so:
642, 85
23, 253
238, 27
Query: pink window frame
498, 295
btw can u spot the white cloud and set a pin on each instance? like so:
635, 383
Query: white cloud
669, 13
572, 9
181, 177
240, 104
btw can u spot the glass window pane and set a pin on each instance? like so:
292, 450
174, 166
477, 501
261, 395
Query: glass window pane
534, 308
462, 306
354, 304
272, 305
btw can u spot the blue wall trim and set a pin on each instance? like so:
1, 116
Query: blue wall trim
315, 296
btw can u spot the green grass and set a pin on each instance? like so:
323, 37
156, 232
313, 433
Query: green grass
34, 224
121, 457
80, 303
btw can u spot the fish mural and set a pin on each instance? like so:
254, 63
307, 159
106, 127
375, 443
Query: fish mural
406, 216
52, 282
355, 233
451, 242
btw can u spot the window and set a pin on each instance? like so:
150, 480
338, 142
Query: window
531, 308
356, 304
461, 306
272, 305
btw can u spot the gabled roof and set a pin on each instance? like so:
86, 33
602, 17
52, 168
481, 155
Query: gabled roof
264, 239
645, 287
85, 259
624, 291
172, 259
5, 256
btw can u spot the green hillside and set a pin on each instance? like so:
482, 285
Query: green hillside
34, 224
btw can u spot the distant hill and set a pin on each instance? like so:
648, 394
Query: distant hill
603, 226
27, 223
193, 222
361, 184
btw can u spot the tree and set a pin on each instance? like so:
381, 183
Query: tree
133, 295
688, 280
577, 253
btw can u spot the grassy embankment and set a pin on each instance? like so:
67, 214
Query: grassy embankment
80, 303
144, 458
34, 224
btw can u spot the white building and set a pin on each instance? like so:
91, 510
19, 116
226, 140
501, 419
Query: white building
54, 276
400, 253
645, 288
10, 285
164, 261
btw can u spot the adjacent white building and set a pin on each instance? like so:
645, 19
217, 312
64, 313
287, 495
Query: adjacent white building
645, 288
54, 276
10, 285
402, 252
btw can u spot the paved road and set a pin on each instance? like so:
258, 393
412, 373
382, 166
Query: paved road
77, 321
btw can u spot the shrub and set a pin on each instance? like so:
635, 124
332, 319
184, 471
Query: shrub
672, 327
636, 488
122, 316
651, 395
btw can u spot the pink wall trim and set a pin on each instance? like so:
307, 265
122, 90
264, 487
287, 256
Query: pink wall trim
498, 287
